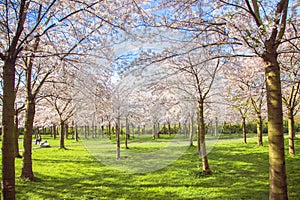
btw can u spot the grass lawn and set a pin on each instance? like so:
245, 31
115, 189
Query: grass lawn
239, 172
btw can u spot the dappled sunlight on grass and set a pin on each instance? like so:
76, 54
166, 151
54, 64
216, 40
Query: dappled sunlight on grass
240, 171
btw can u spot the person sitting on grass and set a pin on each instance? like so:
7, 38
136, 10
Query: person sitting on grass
44, 144
38, 139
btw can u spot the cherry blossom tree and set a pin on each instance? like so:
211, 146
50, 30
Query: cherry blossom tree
244, 80
199, 79
241, 28
291, 91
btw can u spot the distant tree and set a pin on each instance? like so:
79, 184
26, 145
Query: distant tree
291, 92
244, 78
199, 76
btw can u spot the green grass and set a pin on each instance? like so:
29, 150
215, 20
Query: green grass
239, 172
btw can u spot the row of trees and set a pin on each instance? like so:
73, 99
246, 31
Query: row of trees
184, 61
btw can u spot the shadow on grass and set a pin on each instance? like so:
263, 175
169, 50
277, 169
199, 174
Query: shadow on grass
239, 172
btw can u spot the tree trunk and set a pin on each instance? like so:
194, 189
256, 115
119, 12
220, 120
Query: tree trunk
139, 130
102, 131
67, 131
201, 129
144, 130
8, 143
277, 171
191, 130
72, 131
217, 127
198, 135
62, 135
259, 126
54, 131
291, 125
17, 134
153, 131
96, 132
158, 130
85, 132
169, 129
27, 143
76, 133
118, 153
185, 130
109, 130
244, 130
51, 131
127, 133
179, 128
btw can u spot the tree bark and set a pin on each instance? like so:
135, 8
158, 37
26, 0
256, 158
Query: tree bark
127, 133
118, 152
153, 131
201, 130
67, 131
191, 130
169, 129
17, 134
277, 171
54, 131
109, 130
198, 135
259, 127
8, 143
62, 135
244, 130
76, 133
144, 130
291, 125
27, 171
85, 132
102, 131
217, 127
158, 130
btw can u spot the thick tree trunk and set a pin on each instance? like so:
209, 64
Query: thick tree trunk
278, 183
201, 130
244, 130
191, 130
259, 127
27, 143
169, 129
291, 125
118, 152
8, 142
62, 135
